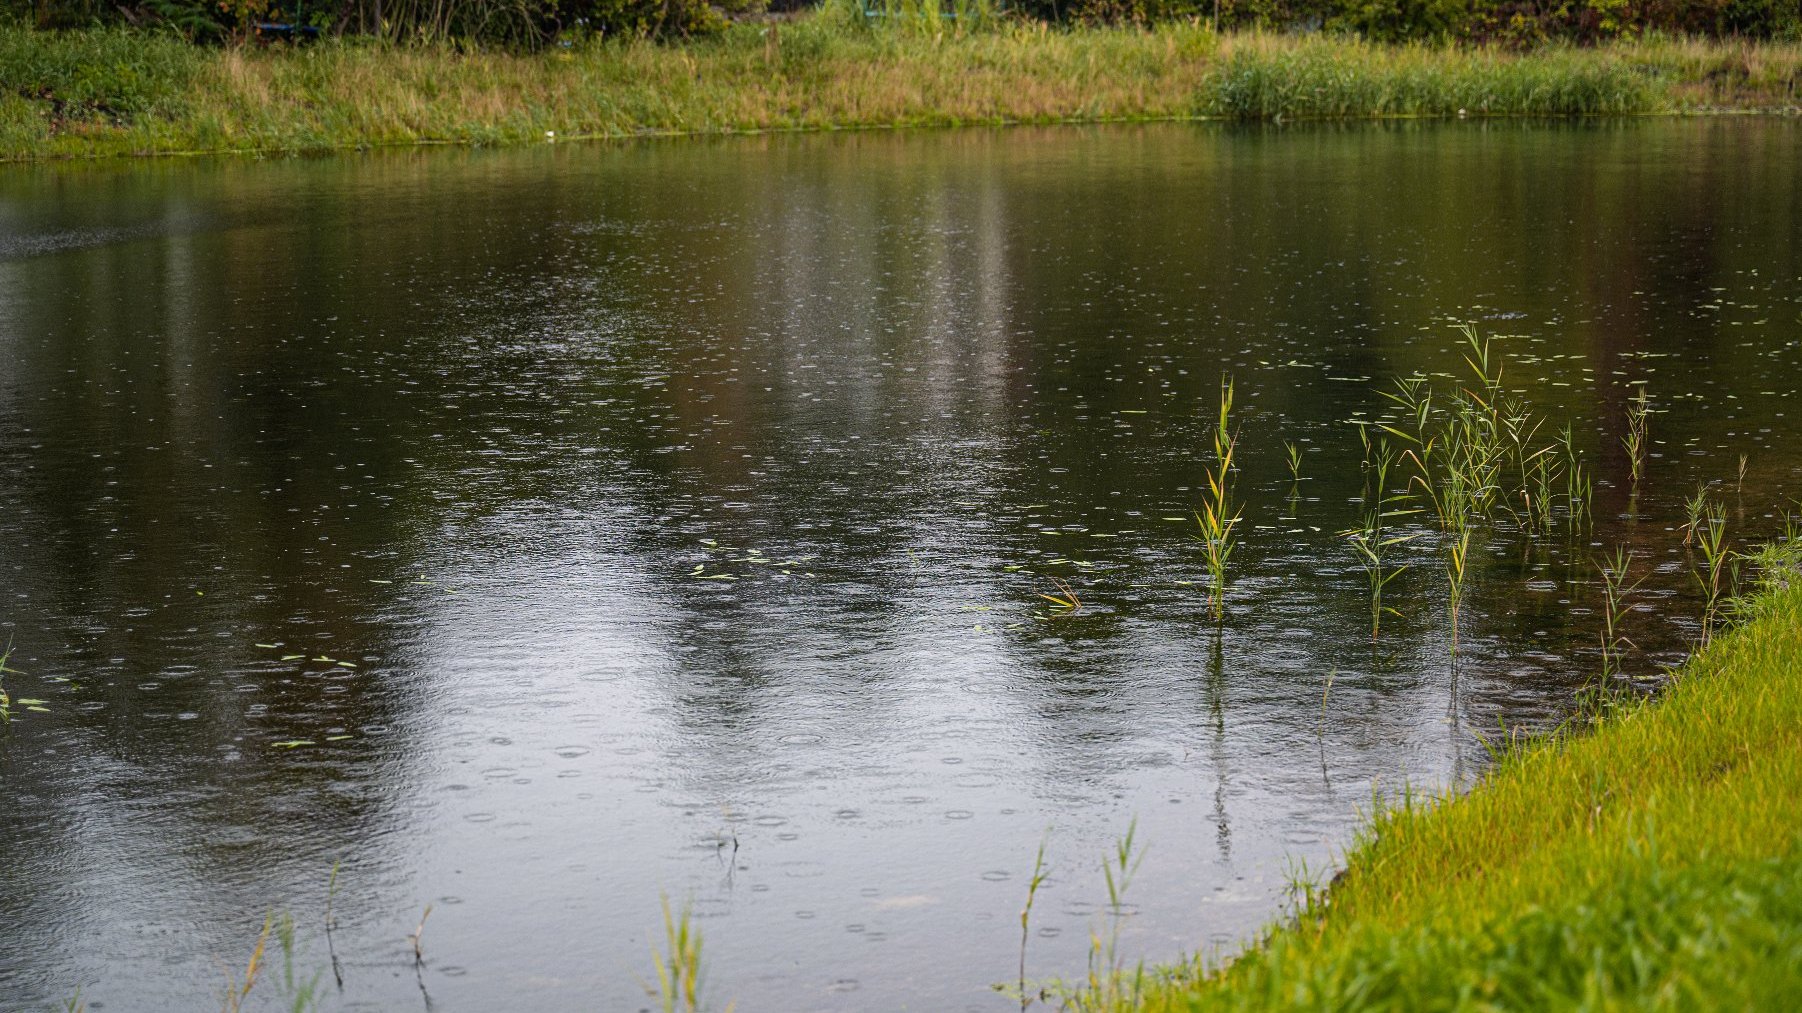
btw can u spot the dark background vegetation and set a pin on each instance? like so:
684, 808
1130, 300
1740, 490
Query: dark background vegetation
532, 23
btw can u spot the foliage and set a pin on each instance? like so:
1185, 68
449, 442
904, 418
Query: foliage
104, 91
536, 23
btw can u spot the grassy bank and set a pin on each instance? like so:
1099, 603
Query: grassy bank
110, 92
1656, 863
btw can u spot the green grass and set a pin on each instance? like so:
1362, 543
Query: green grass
113, 92
1651, 864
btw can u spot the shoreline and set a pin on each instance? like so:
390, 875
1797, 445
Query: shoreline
1645, 858
107, 93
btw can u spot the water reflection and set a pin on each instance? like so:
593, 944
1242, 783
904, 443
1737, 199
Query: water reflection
671, 519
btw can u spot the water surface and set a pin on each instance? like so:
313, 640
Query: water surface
541, 533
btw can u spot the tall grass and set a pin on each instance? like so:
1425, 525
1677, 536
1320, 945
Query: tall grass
106, 91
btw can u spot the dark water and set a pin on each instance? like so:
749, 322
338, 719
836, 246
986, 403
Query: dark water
683, 509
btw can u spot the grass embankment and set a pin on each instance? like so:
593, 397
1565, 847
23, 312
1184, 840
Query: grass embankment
1652, 864
110, 92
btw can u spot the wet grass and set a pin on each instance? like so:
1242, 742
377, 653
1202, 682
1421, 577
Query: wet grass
114, 92
1652, 864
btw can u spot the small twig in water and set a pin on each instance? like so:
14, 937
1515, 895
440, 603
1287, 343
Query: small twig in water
418, 931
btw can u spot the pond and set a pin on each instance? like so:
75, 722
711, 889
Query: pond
533, 535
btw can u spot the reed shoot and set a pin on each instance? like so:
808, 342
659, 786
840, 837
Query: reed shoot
1218, 516
1615, 591
1711, 540
1108, 984
238, 989
1374, 538
1039, 874
678, 966
1638, 438
1457, 562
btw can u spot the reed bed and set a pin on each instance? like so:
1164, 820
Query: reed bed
115, 92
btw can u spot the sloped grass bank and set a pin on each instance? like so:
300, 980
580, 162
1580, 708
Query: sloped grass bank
114, 92
1653, 864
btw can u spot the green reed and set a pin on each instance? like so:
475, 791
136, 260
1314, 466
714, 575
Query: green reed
678, 965
1637, 442
1108, 984
1458, 438
1218, 517
1695, 514
1615, 591
1716, 558
1039, 875
1457, 562
299, 994
1578, 489
1374, 537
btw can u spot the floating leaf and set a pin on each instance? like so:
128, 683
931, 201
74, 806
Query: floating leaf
270, 646
345, 664
293, 743
292, 657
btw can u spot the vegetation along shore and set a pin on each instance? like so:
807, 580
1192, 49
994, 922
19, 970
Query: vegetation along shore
122, 90
1652, 864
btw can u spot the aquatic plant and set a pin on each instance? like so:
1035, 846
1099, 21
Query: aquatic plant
1457, 562
1065, 601
1108, 983
678, 965
1578, 489
1218, 517
1372, 539
1039, 875
1695, 513
1615, 589
1716, 557
1638, 439
299, 994
1294, 459
1776, 568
